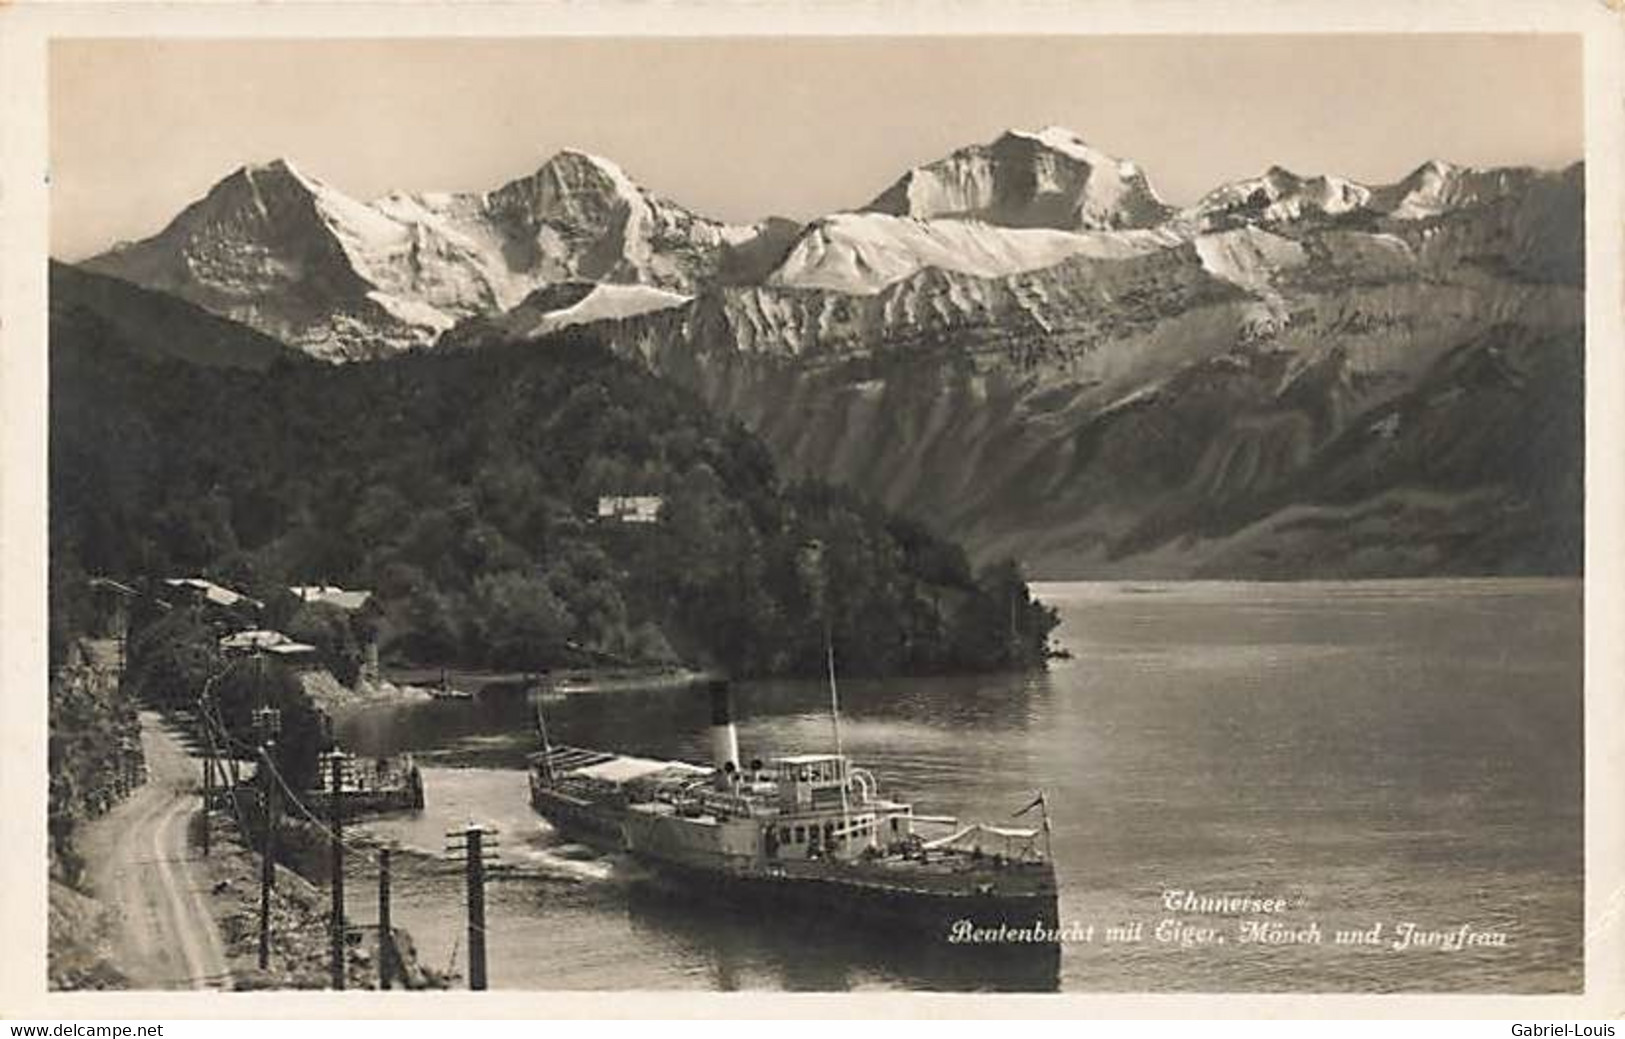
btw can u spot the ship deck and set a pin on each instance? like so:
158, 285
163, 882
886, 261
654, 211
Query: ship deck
567, 759
946, 872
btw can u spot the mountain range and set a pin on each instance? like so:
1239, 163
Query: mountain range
1019, 343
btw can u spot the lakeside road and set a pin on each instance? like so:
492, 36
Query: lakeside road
141, 863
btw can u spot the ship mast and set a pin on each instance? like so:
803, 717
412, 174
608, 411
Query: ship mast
835, 719
536, 690
817, 578
834, 693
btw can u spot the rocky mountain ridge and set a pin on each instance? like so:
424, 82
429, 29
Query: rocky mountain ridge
292, 256
1023, 346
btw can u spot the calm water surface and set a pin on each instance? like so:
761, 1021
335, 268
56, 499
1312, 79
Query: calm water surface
1383, 752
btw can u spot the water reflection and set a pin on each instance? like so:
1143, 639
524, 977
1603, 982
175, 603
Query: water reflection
802, 952
497, 728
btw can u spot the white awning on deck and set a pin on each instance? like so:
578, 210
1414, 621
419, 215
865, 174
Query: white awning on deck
1009, 841
626, 769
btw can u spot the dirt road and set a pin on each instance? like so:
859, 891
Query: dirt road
141, 863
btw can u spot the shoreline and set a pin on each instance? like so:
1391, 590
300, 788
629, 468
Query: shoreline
153, 912
300, 939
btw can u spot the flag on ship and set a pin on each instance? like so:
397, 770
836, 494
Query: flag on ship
1037, 802
1043, 806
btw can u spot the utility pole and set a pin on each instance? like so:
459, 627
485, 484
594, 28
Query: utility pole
476, 909
273, 806
208, 773
124, 781
214, 777
386, 929
268, 725
335, 808
477, 843
209, 752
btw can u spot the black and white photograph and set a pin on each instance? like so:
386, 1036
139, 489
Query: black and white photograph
879, 514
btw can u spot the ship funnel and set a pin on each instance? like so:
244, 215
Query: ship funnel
724, 738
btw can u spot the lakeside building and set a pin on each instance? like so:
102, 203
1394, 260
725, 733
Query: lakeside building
630, 508
223, 608
260, 640
205, 591
349, 600
111, 602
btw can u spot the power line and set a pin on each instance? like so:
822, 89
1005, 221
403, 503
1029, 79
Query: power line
209, 724
474, 849
305, 811
476, 925
335, 805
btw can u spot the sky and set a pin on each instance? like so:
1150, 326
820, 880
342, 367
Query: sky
741, 128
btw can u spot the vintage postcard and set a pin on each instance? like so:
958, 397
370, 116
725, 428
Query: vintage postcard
1077, 505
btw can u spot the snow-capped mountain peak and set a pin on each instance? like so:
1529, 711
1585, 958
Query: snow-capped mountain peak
608, 167
1059, 138
1436, 168
863, 253
295, 257
572, 172
1437, 186
1028, 178
251, 184
277, 165
1277, 196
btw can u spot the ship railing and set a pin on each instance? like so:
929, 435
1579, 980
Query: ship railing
735, 804
563, 759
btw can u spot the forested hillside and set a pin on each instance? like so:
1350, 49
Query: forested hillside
463, 488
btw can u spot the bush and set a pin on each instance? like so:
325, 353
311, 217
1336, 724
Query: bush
331, 630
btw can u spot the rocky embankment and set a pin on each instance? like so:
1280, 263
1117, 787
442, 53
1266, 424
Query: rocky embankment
330, 696
79, 941
95, 754
95, 760
300, 939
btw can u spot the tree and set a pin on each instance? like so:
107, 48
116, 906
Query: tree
435, 623
254, 683
461, 488
171, 659
329, 629
520, 621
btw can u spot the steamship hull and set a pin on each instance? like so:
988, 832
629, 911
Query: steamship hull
810, 834
964, 907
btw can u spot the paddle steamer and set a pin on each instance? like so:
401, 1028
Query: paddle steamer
805, 830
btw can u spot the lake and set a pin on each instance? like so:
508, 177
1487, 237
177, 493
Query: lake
1384, 753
